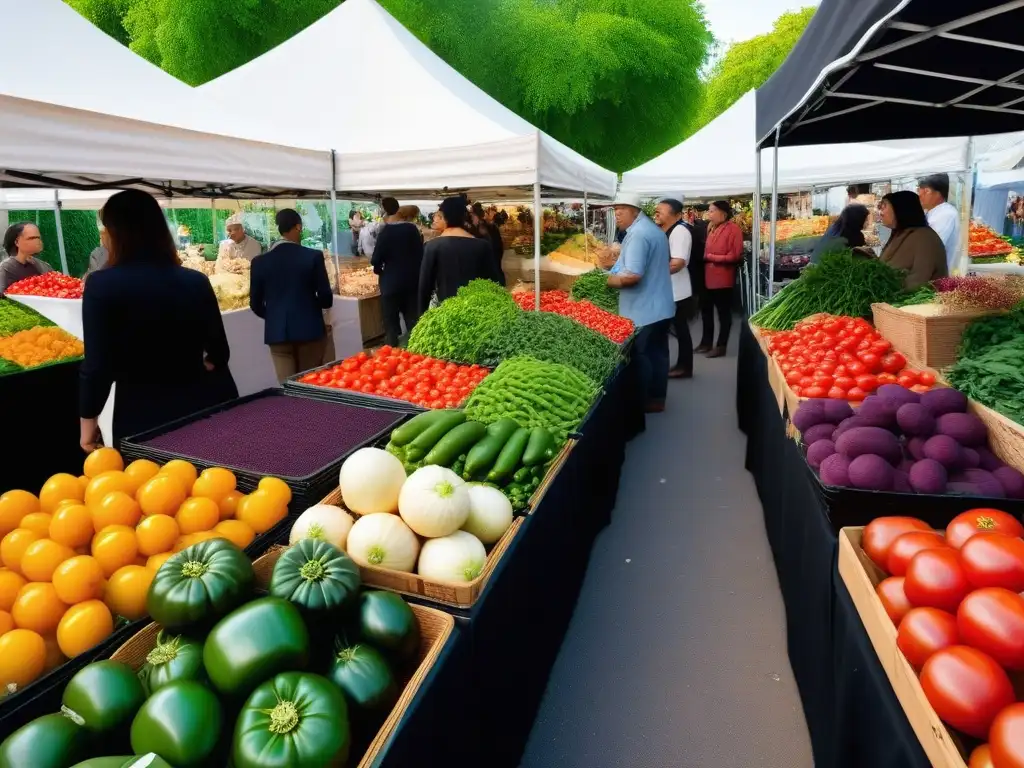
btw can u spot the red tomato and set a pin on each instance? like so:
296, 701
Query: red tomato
919, 388
815, 392
835, 393
926, 378
890, 592
967, 689
904, 547
975, 521
856, 368
925, 631
872, 362
806, 381
994, 560
1006, 738
992, 620
856, 395
793, 377
880, 533
845, 383
887, 378
893, 363
797, 390
936, 579
906, 380
868, 382
981, 757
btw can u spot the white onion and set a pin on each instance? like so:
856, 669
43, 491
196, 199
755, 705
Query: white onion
382, 540
323, 522
456, 558
490, 513
370, 481
434, 502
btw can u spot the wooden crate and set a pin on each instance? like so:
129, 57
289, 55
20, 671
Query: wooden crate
371, 319
435, 628
1005, 436
861, 576
926, 334
461, 595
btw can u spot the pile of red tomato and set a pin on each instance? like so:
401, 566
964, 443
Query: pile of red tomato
611, 326
53, 285
843, 358
397, 373
955, 599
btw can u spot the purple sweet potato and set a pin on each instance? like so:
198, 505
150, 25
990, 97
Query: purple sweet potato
845, 425
837, 410
819, 451
835, 471
986, 482
915, 420
962, 489
966, 428
870, 440
897, 393
989, 460
945, 450
818, 432
972, 459
1011, 480
878, 412
809, 413
928, 476
905, 466
871, 473
915, 447
901, 482
944, 400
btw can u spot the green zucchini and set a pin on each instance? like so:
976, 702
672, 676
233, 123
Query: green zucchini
510, 455
447, 450
416, 426
541, 440
444, 423
483, 455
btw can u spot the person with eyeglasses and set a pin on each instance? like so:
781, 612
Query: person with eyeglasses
22, 242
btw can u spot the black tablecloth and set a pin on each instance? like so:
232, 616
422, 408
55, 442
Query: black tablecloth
852, 715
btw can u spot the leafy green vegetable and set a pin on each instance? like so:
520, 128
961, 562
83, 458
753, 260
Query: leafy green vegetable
994, 376
554, 338
459, 329
593, 287
840, 284
989, 331
924, 294
16, 317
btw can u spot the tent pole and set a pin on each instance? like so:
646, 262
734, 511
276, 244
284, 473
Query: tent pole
60, 233
774, 215
586, 241
334, 215
755, 273
538, 224
966, 207
213, 219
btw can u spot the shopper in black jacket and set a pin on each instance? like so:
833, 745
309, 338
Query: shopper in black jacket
151, 326
289, 289
397, 259
454, 257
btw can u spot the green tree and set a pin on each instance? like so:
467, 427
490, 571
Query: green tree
748, 65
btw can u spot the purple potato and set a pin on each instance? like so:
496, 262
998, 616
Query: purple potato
962, 489
928, 476
870, 440
835, 471
972, 459
915, 420
871, 473
878, 412
986, 482
966, 428
901, 482
897, 393
944, 400
837, 410
989, 461
1011, 480
845, 425
818, 432
945, 450
819, 451
809, 413
915, 447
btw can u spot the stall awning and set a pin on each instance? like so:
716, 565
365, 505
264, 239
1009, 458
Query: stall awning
866, 70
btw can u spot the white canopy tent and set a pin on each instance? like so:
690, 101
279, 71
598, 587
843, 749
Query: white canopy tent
716, 161
434, 133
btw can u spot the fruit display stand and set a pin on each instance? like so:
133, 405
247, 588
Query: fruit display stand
926, 334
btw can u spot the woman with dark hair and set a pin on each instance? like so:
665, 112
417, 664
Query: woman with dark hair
913, 246
454, 257
723, 253
151, 326
846, 232
486, 230
22, 242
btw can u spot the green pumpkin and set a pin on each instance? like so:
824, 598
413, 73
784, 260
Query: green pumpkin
103, 697
316, 576
181, 723
296, 720
173, 659
136, 761
388, 623
50, 741
364, 676
199, 585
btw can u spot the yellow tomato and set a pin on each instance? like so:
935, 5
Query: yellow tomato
156, 534
197, 514
142, 470
117, 508
11, 583
38, 608
261, 511
59, 488
104, 484
214, 483
83, 627
79, 579
185, 472
102, 460
22, 658
14, 505
237, 532
42, 558
72, 525
229, 505
13, 547
183, 542
277, 489
155, 561
161, 496
115, 547
54, 656
126, 591
6, 622
38, 523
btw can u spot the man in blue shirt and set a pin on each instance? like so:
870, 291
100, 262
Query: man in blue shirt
645, 283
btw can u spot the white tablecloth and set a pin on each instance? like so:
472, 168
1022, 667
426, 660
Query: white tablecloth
251, 365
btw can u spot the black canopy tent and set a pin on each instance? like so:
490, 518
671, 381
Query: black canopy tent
873, 70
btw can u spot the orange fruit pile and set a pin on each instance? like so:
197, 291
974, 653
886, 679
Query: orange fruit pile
84, 550
37, 346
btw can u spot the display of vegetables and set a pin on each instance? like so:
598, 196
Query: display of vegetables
990, 364
902, 441
954, 597
40, 346
983, 241
924, 294
86, 553
610, 325
402, 375
593, 287
840, 284
15, 317
974, 293
460, 328
534, 393
53, 285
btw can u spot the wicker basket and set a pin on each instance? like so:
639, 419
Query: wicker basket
552, 473
1005, 437
435, 629
462, 595
924, 333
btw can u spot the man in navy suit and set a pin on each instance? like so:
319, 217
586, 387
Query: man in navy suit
290, 290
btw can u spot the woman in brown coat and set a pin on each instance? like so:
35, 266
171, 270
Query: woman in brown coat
913, 246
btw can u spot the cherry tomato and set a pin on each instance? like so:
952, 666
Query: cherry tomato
925, 631
890, 592
835, 393
967, 689
871, 361
856, 395
906, 380
846, 383
992, 620
904, 547
926, 378
815, 392
868, 382
975, 521
994, 560
936, 579
893, 363
981, 757
856, 368
880, 533
1006, 738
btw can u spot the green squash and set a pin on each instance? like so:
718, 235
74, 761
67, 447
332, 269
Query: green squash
50, 741
316, 576
181, 723
136, 761
173, 659
296, 720
252, 644
387, 622
199, 585
364, 676
103, 697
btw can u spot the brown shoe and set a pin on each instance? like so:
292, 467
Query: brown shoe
655, 406
680, 373
700, 350
716, 352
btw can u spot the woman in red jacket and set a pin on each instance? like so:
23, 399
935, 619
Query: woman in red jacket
722, 256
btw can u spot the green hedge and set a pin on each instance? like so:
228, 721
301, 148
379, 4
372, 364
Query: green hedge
81, 236
199, 224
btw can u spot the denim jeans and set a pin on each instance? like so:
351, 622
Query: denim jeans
651, 349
